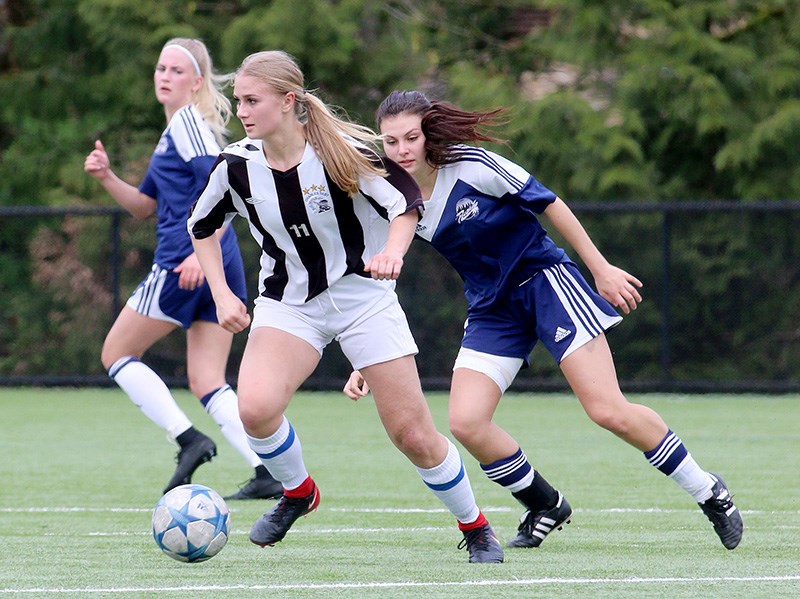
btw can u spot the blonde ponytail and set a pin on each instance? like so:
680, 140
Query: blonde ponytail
346, 149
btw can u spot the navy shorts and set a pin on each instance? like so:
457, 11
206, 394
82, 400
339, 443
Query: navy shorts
556, 305
159, 296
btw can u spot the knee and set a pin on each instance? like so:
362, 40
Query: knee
261, 413
412, 443
464, 428
250, 414
610, 417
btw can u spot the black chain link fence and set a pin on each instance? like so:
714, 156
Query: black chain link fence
720, 311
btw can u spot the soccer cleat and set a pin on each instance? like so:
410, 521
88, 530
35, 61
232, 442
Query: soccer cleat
273, 526
258, 487
534, 527
483, 546
189, 458
723, 514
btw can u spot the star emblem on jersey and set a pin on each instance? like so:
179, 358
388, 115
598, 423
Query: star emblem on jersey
317, 199
561, 334
466, 208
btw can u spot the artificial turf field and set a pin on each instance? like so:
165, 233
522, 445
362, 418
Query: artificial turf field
81, 469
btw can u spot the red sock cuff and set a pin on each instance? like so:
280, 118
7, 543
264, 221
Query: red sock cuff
304, 490
479, 522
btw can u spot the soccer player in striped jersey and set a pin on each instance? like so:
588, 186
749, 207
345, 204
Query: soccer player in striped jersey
317, 201
481, 214
174, 293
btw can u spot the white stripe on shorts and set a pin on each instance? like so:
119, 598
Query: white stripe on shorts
588, 318
145, 299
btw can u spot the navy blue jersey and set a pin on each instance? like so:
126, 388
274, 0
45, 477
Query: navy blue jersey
482, 217
175, 177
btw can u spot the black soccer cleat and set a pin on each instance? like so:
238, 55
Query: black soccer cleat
483, 546
258, 487
725, 517
189, 458
534, 527
273, 526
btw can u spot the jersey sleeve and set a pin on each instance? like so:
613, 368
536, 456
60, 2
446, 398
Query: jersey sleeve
499, 177
148, 185
214, 207
192, 136
396, 193
201, 166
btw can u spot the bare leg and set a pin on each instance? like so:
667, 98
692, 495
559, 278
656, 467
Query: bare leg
591, 374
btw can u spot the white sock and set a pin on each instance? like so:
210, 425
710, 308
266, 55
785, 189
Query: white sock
450, 483
148, 391
223, 406
282, 455
693, 479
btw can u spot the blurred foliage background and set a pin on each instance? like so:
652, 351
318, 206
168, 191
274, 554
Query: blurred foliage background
645, 102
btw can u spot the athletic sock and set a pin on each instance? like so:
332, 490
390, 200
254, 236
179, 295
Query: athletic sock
146, 389
282, 455
479, 522
223, 406
450, 483
672, 458
528, 486
187, 436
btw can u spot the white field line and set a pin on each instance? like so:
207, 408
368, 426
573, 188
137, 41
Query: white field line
388, 510
561, 582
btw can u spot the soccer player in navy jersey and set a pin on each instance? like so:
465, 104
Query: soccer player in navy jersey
174, 292
317, 201
481, 213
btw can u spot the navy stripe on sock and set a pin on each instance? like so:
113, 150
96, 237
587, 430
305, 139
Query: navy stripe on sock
507, 471
668, 455
283, 447
448, 485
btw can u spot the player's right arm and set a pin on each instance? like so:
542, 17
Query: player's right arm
97, 165
213, 211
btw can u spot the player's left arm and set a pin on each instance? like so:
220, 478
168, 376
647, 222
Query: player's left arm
617, 286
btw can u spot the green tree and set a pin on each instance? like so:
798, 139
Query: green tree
645, 101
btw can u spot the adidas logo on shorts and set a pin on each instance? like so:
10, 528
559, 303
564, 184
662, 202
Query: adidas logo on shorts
561, 334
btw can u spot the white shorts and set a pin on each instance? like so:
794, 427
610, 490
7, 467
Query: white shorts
362, 314
501, 369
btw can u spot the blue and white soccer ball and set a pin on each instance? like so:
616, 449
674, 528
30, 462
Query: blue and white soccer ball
191, 523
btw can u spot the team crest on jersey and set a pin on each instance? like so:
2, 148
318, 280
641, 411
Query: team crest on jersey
317, 199
466, 208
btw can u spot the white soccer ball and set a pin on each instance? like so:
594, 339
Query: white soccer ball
191, 523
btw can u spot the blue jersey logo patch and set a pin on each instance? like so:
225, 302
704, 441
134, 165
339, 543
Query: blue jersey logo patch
466, 208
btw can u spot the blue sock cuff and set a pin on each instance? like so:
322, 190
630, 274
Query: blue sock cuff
120, 364
508, 471
668, 454
207, 397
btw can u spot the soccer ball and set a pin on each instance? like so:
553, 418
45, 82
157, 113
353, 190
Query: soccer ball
191, 523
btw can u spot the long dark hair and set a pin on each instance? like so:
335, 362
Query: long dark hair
443, 124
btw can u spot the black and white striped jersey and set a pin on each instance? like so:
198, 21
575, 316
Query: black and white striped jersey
311, 232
